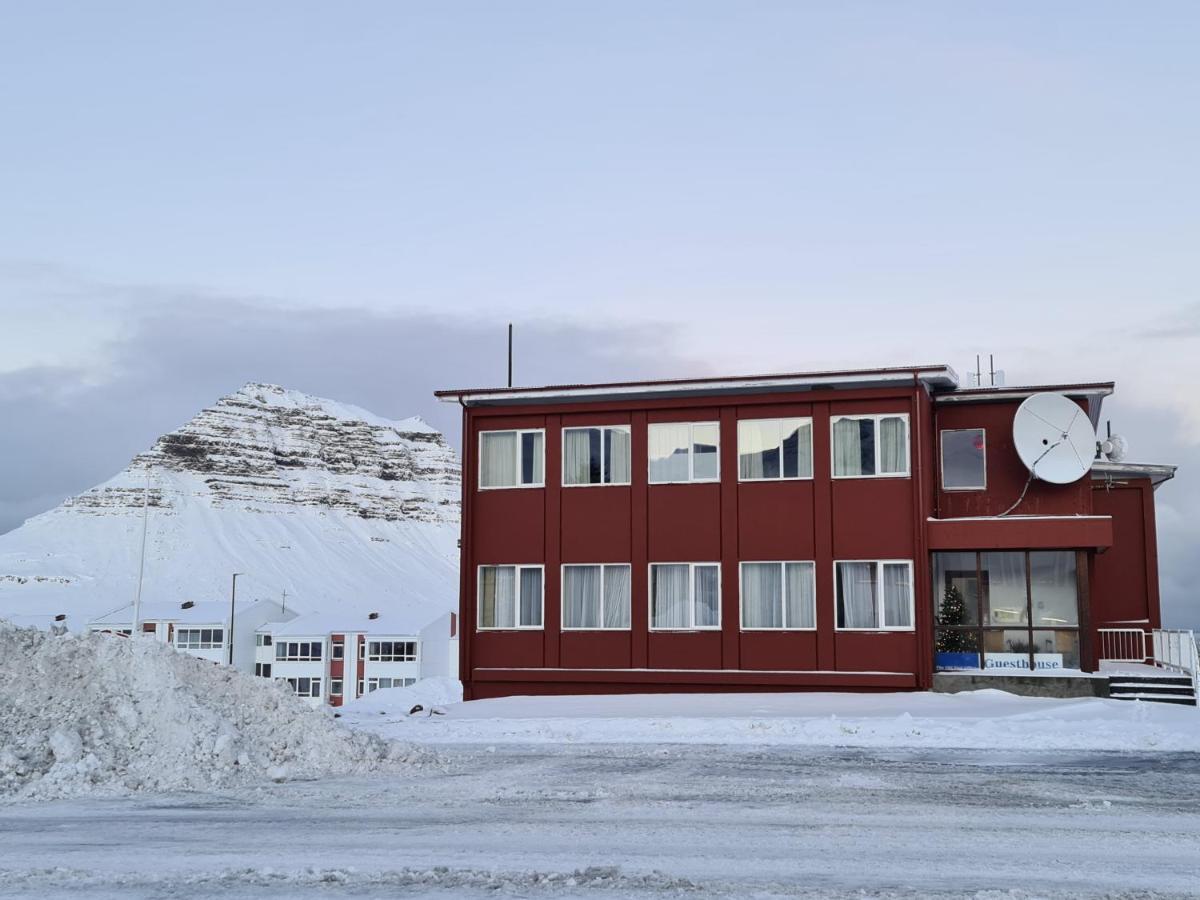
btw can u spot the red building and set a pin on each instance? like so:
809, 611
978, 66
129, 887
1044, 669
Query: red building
828, 530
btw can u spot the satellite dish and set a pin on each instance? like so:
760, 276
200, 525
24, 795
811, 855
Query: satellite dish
1054, 438
1114, 447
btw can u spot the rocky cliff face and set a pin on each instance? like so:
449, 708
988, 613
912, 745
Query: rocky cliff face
327, 501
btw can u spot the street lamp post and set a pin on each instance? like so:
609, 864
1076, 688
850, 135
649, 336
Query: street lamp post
232, 603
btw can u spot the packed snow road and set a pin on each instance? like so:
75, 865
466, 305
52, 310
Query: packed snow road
643, 821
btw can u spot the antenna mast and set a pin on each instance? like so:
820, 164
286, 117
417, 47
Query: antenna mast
137, 597
510, 354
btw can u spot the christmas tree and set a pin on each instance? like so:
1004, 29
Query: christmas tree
954, 612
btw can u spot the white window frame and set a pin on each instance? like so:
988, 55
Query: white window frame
691, 479
314, 684
691, 597
479, 605
287, 644
563, 607
876, 417
782, 597
378, 656
214, 643
942, 460
336, 686
879, 599
803, 420
517, 474
628, 429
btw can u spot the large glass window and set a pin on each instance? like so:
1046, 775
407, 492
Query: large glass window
392, 651
200, 638
778, 595
596, 455
685, 596
964, 459
595, 596
510, 596
512, 459
684, 451
298, 651
874, 595
1006, 610
870, 446
774, 448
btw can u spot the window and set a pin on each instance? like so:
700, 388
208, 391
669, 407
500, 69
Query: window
779, 595
335, 687
595, 597
683, 451
200, 638
511, 459
870, 446
964, 459
297, 651
338, 650
685, 596
374, 684
262, 640
774, 448
262, 670
596, 455
874, 595
305, 687
392, 651
510, 596
361, 688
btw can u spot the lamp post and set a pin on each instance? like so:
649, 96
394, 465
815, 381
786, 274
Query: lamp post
232, 603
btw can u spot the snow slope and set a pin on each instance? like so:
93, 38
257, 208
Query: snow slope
985, 720
87, 714
335, 505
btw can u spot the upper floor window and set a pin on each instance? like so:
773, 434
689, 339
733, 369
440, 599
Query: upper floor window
298, 651
870, 446
512, 458
684, 451
596, 455
779, 595
595, 596
392, 651
685, 596
774, 448
200, 638
964, 459
510, 596
874, 595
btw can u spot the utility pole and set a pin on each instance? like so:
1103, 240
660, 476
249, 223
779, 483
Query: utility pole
232, 602
137, 597
283, 604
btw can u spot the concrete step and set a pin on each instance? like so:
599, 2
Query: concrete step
1179, 690
1158, 698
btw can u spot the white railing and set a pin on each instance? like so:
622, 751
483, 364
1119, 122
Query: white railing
1175, 648
1123, 644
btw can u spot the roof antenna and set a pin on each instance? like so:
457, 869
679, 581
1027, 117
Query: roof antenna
992, 368
510, 354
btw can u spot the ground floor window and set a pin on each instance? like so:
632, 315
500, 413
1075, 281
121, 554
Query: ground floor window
595, 596
305, 687
874, 595
778, 595
262, 670
1012, 609
685, 596
374, 684
510, 597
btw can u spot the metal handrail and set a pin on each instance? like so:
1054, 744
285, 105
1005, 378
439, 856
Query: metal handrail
1175, 648
1123, 644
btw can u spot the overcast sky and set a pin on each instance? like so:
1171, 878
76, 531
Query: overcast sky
352, 199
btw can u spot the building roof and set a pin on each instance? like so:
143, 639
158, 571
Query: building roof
207, 612
406, 620
935, 377
1155, 472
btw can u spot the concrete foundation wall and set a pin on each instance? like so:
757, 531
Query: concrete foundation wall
1024, 685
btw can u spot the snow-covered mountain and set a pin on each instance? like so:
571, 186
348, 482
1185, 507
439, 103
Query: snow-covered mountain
334, 505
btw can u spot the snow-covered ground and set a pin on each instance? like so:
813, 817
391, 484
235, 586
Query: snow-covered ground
985, 720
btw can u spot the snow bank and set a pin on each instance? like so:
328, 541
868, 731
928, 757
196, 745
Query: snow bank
93, 713
986, 720
428, 692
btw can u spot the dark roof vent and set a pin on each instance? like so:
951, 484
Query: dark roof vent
61, 617
186, 604
374, 615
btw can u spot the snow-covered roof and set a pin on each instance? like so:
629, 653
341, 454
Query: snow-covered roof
406, 620
205, 611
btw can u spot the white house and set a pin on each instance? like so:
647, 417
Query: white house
335, 656
201, 629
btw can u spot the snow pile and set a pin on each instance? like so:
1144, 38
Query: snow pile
983, 720
94, 713
428, 693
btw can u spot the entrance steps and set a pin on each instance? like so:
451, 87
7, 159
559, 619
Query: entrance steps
1167, 687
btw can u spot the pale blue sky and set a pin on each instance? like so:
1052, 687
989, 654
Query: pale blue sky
193, 194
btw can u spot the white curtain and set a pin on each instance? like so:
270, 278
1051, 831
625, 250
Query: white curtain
707, 596
797, 449
531, 597
616, 596
1055, 597
532, 458
577, 455
758, 448
856, 595
669, 596
847, 448
762, 595
800, 596
1006, 600
581, 596
497, 597
498, 459
668, 452
893, 445
706, 448
618, 456
897, 594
